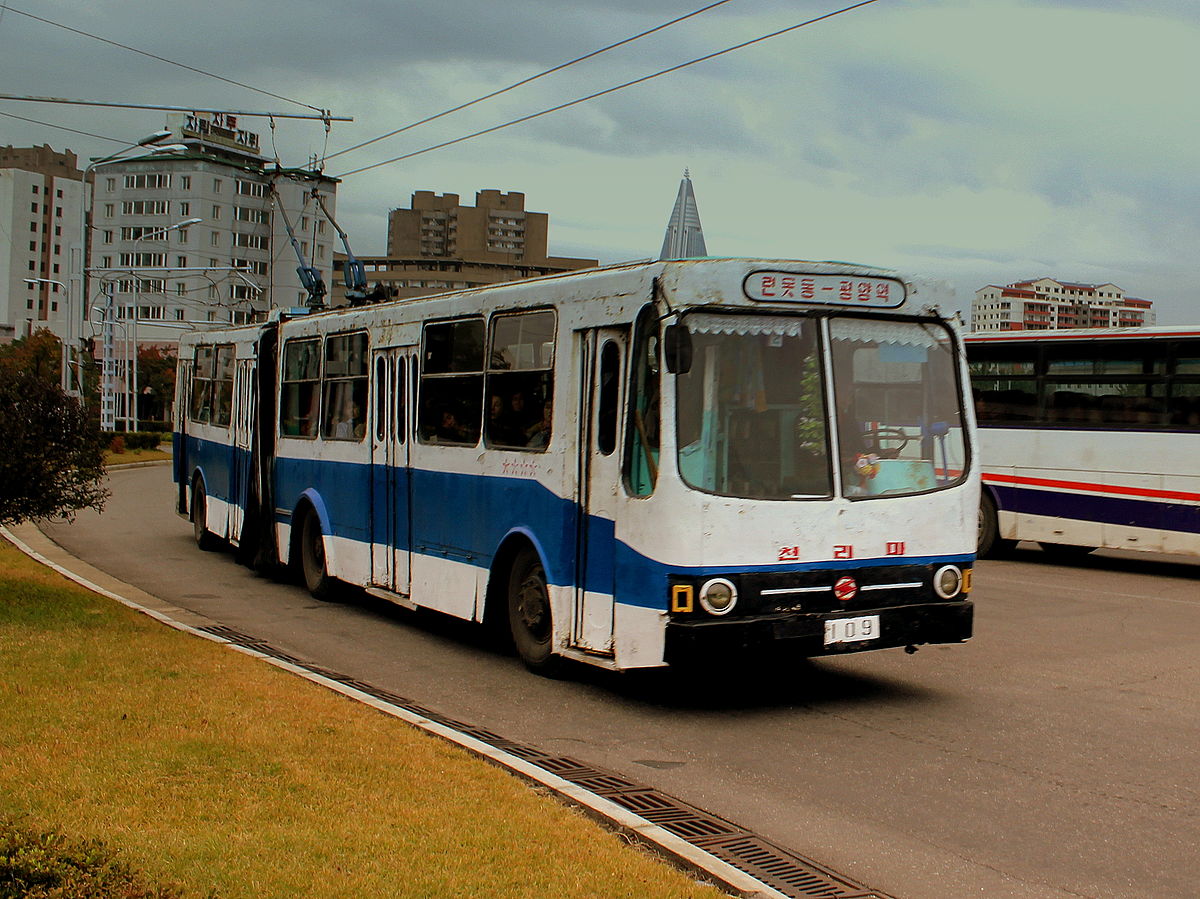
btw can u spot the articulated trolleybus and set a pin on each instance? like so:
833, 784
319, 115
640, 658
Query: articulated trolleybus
632, 466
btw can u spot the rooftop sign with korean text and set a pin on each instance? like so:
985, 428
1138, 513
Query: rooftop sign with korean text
864, 291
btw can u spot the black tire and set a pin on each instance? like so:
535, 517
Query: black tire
1065, 552
529, 615
205, 539
990, 543
312, 559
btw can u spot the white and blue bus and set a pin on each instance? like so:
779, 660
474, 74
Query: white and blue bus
631, 466
1089, 438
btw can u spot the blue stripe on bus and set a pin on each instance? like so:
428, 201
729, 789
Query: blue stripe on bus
499, 506
1140, 513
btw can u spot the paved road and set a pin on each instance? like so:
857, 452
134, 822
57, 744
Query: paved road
1054, 755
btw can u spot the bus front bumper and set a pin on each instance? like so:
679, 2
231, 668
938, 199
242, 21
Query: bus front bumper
805, 633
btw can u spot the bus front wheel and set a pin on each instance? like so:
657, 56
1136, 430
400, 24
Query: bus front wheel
312, 559
529, 614
205, 539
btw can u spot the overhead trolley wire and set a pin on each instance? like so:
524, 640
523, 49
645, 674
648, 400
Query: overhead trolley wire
611, 90
153, 56
525, 81
115, 140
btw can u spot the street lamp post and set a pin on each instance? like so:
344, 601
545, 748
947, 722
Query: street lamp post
66, 356
151, 142
134, 352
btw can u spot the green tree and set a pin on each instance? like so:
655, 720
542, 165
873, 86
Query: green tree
53, 463
39, 354
156, 371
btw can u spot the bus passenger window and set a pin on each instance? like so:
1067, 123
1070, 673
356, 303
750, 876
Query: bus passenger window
201, 405
223, 387
520, 380
450, 406
344, 415
641, 441
299, 396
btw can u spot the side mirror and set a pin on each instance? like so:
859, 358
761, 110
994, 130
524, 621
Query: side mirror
677, 349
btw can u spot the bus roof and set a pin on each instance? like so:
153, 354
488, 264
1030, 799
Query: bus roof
1152, 332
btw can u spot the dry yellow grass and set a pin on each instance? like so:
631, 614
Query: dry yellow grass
212, 770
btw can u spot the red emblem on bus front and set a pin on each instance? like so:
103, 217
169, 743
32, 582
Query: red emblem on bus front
845, 589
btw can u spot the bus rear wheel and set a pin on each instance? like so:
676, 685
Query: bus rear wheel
529, 613
205, 539
312, 559
990, 543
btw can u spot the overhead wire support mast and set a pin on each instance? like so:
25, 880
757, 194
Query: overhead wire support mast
322, 115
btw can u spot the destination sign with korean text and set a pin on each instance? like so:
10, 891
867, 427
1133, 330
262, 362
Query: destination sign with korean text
832, 290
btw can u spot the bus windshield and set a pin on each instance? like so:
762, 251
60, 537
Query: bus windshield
751, 409
753, 417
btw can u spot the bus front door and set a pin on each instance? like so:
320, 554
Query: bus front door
390, 496
603, 360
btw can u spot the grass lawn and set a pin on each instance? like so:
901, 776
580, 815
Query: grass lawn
208, 770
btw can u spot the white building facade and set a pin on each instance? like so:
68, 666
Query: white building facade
40, 197
189, 238
1045, 303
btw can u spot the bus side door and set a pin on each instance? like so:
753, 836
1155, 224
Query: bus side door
240, 471
390, 494
603, 354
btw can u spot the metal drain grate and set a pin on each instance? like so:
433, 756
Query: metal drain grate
784, 871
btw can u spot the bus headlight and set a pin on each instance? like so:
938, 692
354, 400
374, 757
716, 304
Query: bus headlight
947, 581
718, 596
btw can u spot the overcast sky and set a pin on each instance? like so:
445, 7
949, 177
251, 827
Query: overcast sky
961, 142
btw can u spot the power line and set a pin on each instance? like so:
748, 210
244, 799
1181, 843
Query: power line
153, 56
611, 90
115, 140
525, 81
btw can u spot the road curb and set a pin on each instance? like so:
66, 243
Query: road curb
36, 545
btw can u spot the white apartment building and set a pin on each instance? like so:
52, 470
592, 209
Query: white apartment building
40, 196
1046, 303
182, 239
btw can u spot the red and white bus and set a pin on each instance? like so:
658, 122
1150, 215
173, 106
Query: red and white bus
1089, 438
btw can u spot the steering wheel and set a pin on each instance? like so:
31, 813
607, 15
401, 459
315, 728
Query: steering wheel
877, 436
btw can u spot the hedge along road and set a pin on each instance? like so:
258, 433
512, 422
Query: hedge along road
1051, 756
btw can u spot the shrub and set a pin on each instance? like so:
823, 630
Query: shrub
46, 865
133, 440
52, 464
117, 444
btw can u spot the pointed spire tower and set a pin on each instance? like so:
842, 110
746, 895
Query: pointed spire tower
684, 238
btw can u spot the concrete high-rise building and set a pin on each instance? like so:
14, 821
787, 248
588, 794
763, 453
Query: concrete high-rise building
1045, 303
684, 238
232, 259
497, 229
439, 244
40, 196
